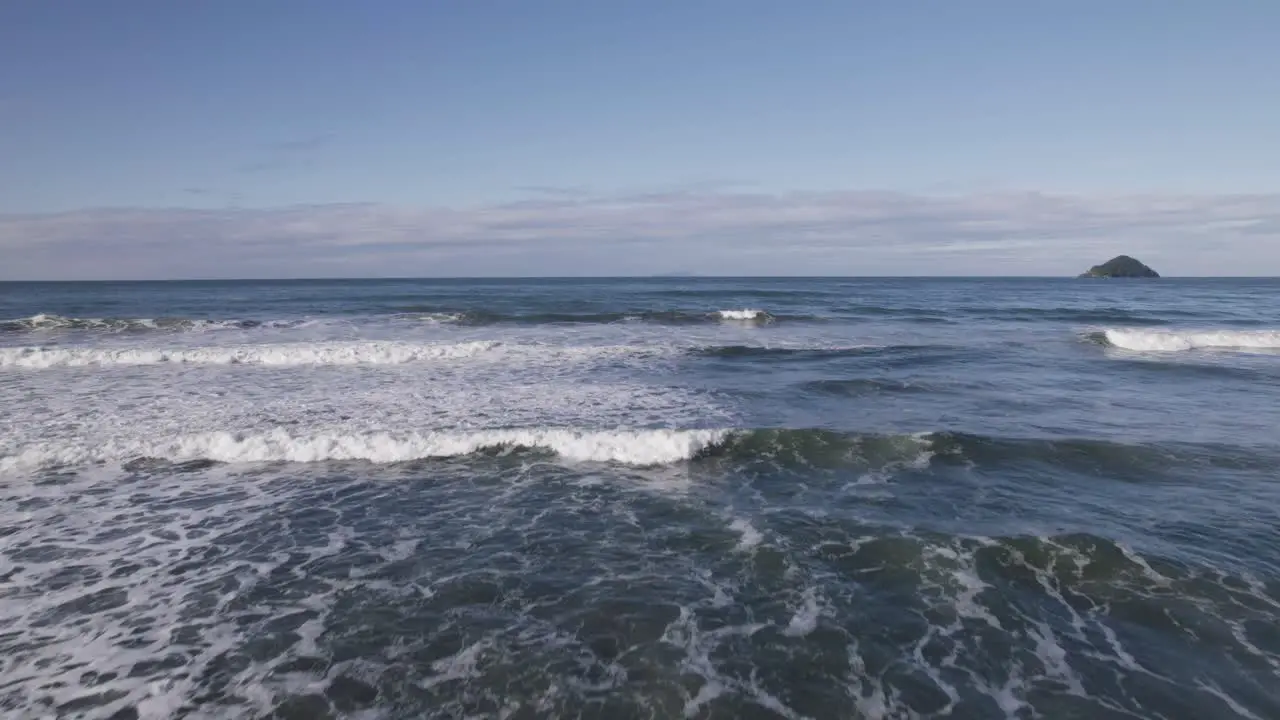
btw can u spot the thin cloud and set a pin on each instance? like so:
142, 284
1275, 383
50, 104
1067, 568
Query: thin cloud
306, 144
554, 191
841, 233
288, 154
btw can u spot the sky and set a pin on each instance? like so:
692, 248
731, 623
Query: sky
293, 138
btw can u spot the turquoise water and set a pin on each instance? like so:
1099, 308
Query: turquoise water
641, 498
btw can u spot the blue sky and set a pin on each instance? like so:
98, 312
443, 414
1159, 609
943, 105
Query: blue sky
431, 113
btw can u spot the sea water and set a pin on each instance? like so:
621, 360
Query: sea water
738, 498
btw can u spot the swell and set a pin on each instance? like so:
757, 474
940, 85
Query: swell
773, 352
807, 449
861, 387
1100, 315
1190, 370
734, 292
1140, 462
1017, 314
883, 356
801, 449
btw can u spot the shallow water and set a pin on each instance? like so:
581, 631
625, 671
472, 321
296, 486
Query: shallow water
640, 498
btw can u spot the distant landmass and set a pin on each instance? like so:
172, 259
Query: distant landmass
1121, 267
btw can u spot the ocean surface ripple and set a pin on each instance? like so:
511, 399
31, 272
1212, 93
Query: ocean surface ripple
704, 498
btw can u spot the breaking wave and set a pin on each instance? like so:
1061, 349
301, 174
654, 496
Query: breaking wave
400, 352
637, 447
437, 318
800, 449
333, 353
751, 315
1176, 341
45, 322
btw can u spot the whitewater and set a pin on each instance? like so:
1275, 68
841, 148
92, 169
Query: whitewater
617, 498
1173, 341
652, 447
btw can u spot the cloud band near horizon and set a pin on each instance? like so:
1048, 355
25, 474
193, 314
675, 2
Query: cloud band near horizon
714, 233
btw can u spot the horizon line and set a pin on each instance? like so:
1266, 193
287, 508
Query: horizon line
666, 276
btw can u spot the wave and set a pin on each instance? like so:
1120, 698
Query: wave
800, 449
1132, 462
628, 447
859, 387
785, 353
761, 351
399, 352
746, 314
657, 317
45, 322
437, 318
48, 322
1193, 371
1077, 315
332, 353
806, 449
1176, 341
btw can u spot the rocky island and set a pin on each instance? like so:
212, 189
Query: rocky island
1121, 267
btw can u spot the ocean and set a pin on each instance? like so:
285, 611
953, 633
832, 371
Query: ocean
641, 498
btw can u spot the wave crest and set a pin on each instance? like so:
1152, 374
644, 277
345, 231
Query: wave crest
1142, 340
634, 447
780, 448
745, 315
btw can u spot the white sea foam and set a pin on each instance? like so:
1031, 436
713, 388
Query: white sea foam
805, 619
745, 314
751, 537
307, 353
1174, 341
630, 447
52, 321
328, 353
435, 318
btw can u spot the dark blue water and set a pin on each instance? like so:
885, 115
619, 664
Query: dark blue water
641, 498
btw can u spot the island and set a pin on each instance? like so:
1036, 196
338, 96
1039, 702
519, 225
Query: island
1121, 267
